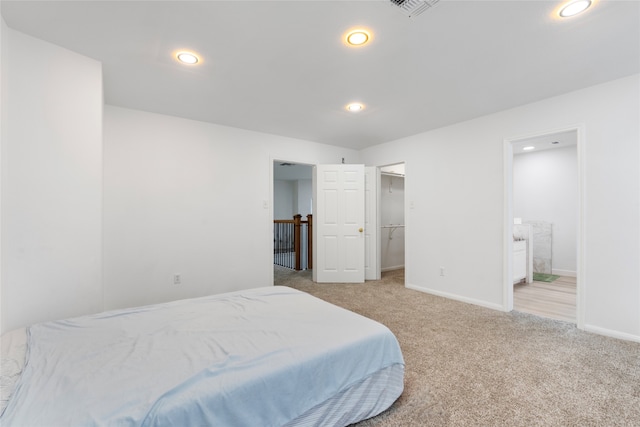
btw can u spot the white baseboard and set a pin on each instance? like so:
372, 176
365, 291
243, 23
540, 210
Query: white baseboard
611, 333
481, 303
395, 267
567, 273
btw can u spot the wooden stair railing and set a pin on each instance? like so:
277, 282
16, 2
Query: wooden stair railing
288, 236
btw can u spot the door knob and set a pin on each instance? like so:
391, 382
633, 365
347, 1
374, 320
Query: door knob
361, 229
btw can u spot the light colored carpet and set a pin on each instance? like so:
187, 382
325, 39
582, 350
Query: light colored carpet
471, 366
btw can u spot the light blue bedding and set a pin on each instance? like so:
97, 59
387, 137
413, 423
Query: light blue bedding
261, 357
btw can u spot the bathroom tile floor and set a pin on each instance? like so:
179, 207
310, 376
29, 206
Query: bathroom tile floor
555, 300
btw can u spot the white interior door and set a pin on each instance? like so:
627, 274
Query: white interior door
338, 224
371, 225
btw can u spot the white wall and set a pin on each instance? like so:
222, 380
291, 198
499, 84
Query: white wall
545, 188
283, 196
51, 182
291, 197
455, 183
189, 197
3, 48
304, 196
391, 212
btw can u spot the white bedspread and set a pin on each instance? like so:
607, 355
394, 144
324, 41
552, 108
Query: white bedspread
252, 358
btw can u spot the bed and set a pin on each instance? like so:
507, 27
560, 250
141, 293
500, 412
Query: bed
269, 356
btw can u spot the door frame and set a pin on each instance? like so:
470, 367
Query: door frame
508, 218
372, 209
268, 204
406, 206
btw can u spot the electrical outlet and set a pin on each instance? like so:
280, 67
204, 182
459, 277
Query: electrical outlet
177, 280
442, 271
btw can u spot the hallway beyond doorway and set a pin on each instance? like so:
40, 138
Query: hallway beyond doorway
295, 279
555, 300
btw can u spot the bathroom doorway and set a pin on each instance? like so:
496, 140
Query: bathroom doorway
392, 218
544, 223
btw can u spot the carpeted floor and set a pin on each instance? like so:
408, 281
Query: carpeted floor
471, 366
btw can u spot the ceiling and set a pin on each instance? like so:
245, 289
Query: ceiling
545, 142
281, 67
287, 171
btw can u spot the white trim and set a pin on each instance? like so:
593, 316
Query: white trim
372, 211
481, 303
269, 208
407, 220
507, 220
378, 240
581, 283
611, 333
507, 304
405, 214
566, 273
269, 222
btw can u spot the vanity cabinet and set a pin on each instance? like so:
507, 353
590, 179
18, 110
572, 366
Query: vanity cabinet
519, 260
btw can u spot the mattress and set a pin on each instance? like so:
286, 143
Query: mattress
13, 351
269, 356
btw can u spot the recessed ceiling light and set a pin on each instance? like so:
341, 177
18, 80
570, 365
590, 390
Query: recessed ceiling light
529, 148
357, 37
355, 107
187, 58
573, 8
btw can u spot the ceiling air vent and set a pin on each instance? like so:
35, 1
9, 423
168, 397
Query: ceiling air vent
413, 8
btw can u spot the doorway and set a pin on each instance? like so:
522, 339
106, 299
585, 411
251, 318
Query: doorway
291, 196
392, 217
543, 224
291, 189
